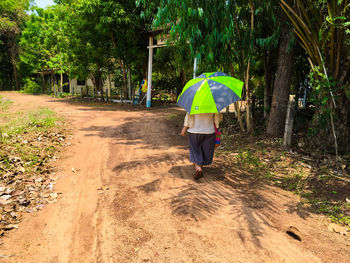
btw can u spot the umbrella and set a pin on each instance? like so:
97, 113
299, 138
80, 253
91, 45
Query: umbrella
210, 93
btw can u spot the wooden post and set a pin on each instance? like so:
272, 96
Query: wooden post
52, 88
234, 109
129, 83
150, 62
108, 89
239, 116
195, 67
288, 128
61, 83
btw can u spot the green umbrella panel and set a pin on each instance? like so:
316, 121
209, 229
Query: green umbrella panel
210, 93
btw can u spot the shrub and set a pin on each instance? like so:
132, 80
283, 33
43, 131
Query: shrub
31, 87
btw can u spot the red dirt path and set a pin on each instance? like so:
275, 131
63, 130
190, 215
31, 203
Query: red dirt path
149, 208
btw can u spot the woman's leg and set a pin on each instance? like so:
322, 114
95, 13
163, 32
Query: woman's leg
196, 154
208, 147
198, 167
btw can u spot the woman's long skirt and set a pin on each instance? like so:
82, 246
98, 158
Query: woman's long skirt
202, 148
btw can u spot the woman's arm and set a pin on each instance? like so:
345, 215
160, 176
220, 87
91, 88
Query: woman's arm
183, 131
217, 119
186, 124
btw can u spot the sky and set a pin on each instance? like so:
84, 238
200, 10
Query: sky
43, 3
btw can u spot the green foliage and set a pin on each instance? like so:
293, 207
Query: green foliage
43, 118
219, 33
293, 182
248, 160
44, 45
32, 137
326, 41
31, 86
37, 120
12, 15
64, 95
88, 39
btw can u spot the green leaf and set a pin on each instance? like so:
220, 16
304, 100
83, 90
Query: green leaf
200, 11
324, 100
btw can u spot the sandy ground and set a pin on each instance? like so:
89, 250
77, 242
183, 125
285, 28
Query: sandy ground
133, 199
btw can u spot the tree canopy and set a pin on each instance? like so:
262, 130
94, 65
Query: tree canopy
277, 47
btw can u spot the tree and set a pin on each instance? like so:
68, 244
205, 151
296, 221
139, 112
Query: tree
323, 31
226, 35
282, 85
104, 35
43, 43
12, 15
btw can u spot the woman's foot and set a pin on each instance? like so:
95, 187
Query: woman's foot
198, 174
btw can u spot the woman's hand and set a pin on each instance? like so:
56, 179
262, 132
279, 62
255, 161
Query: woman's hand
183, 131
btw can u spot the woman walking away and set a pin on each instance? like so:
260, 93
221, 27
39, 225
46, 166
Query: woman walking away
201, 129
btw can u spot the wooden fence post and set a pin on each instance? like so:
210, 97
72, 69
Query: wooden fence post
288, 128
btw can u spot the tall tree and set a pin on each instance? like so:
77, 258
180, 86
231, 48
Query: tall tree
12, 15
105, 35
323, 31
282, 83
225, 35
43, 42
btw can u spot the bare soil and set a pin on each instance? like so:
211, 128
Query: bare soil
133, 199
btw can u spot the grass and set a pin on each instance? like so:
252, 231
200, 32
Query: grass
33, 121
4, 104
65, 95
28, 139
318, 183
173, 116
249, 161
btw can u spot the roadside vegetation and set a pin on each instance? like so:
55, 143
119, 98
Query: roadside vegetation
320, 181
4, 104
29, 143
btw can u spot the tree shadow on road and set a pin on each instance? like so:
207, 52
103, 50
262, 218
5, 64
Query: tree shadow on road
224, 187
90, 104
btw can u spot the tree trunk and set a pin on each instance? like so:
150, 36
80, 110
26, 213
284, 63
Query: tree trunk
61, 82
239, 116
182, 81
343, 129
249, 117
268, 86
101, 87
125, 87
108, 90
341, 120
237, 108
129, 83
13, 51
52, 81
43, 84
98, 83
87, 90
282, 84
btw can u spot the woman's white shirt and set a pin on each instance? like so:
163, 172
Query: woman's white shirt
203, 123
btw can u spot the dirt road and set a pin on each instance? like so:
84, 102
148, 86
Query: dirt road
133, 200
